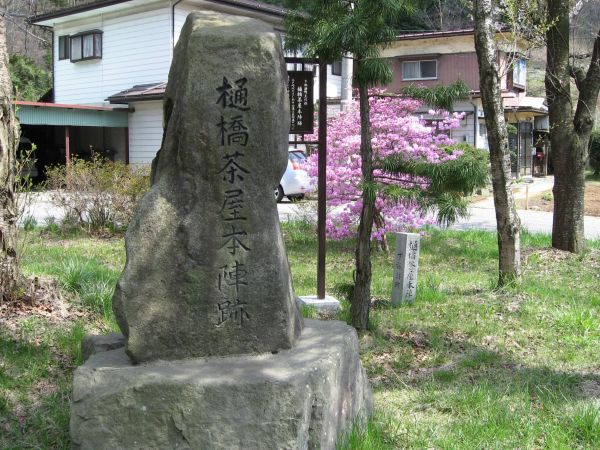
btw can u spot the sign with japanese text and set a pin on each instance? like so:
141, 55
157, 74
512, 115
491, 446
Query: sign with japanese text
300, 91
232, 279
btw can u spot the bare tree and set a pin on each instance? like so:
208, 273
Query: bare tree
569, 131
9, 136
444, 15
507, 220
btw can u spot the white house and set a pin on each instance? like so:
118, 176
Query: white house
111, 60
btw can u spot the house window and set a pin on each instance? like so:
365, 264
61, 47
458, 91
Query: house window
519, 73
63, 47
86, 45
419, 70
336, 68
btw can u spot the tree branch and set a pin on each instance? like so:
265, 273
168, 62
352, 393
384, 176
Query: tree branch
397, 179
588, 92
593, 74
24, 29
579, 55
577, 74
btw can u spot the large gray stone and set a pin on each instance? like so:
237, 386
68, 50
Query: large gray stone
206, 272
297, 399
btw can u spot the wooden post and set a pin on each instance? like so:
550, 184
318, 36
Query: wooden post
67, 144
126, 145
322, 182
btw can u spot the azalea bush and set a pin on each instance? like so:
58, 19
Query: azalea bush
417, 168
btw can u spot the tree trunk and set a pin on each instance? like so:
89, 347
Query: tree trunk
361, 297
507, 220
9, 134
569, 134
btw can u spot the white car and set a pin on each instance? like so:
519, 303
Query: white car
295, 181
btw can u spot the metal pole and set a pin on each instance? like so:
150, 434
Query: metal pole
322, 183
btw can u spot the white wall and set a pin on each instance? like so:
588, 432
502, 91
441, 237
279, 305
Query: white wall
145, 131
466, 131
136, 49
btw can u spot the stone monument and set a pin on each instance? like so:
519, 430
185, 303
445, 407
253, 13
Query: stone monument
214, 354
206, 262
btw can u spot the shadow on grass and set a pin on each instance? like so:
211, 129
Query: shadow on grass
492, 399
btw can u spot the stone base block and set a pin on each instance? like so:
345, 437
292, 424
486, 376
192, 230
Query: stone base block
329, 304
303, 398
93, 344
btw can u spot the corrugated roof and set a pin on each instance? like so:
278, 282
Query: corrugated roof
35, 113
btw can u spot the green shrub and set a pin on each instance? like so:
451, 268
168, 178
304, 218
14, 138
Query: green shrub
595, 152
29, 223
97, 194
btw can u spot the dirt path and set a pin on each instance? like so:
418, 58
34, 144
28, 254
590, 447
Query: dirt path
544, 202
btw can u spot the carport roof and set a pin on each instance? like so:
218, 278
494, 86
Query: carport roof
37, 113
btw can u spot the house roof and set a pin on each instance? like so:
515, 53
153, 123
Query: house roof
529, 104
140, 92
252, 5
448, 34
434, 34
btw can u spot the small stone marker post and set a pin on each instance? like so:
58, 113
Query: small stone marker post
406, 267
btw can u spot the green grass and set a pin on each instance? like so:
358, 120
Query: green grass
464, 366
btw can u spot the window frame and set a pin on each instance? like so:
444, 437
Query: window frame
516, 69
336, 65
64, 47
96, 47
420, 71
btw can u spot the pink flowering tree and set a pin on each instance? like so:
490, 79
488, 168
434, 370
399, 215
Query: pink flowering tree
417, 168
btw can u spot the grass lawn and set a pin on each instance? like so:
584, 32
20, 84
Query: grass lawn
464, 366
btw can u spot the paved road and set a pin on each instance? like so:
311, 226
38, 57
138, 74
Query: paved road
482, 214
483, 217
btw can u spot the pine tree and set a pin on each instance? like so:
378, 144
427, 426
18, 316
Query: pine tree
327, 29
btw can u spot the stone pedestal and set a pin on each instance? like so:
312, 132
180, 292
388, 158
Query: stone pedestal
303, 398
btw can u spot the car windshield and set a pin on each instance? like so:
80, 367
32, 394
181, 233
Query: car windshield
297, 156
